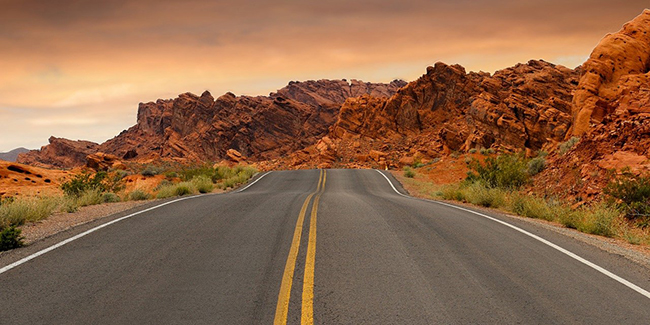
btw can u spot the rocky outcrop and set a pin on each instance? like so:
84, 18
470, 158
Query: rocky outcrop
617, 71
527, 106
260, 128
202, 128
60, 153
102, 162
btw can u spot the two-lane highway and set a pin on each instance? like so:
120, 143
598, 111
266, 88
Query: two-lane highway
322, 246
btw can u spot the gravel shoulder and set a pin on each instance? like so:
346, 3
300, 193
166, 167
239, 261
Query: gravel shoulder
63, 221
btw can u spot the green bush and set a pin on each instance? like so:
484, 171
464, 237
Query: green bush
473, 150
600, 221
166, 191
84, 182
110, 198
183, 188
564, 147
408, 172
27, 209
10, 238
532, 207
187, 174
571, 219
150, 170
452, 192
479, 194
203, 184
90, 197
632, 195
536, 166
139, 195
508, 171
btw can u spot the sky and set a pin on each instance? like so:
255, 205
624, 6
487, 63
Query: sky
78, 69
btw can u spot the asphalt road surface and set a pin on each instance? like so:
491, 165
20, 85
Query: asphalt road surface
321, 246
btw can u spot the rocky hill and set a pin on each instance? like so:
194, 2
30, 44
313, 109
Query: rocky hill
611, 111
527, 106
200, 128
12, 155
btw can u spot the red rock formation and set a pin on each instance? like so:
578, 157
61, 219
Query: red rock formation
611, 108
200, 128
102, 161
60, 153
523, 107
617, 67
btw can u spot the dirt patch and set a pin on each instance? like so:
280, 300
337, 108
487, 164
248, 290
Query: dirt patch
62, 221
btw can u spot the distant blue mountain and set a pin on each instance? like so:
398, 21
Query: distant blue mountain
13, 154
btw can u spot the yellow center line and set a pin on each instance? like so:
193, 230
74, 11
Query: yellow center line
282, 308
307, 315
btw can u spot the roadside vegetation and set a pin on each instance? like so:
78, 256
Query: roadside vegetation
499, 182
107, 187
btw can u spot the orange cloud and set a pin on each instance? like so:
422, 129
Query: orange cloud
94, 57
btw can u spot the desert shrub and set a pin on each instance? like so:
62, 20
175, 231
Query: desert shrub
166, 191
409, 172
536, 166
184, 188
532, 207
483, 151
10, 238
90, 197
84, 182
6, 200
507, 171
119, 174
454, 155
482, 195
171, 174
564, 147
600, 221
150, 170
203, 184
632, 195
110, 198
571, 219
473, 150
27, 209
139, 195
189, 173
417, 163
451, 192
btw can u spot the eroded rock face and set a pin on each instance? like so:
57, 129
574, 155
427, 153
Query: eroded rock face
616, 70
200, 128
527, 106
60, 153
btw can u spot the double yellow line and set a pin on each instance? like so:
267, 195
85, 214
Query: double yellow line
282, 309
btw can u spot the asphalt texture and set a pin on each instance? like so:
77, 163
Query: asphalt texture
380, 258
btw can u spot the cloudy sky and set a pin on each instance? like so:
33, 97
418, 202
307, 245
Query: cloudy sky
78, 69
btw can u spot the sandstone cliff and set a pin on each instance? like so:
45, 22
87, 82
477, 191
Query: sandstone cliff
200, 128
616, 72
60, 153
527, 106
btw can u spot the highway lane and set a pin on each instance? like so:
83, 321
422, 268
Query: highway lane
376, 258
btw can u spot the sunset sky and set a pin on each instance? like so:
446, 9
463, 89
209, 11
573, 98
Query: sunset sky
78, 69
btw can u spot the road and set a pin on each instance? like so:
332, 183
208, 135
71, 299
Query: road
322, 246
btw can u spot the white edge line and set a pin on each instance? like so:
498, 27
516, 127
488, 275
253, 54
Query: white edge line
563, 250
251, 184
71, 239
